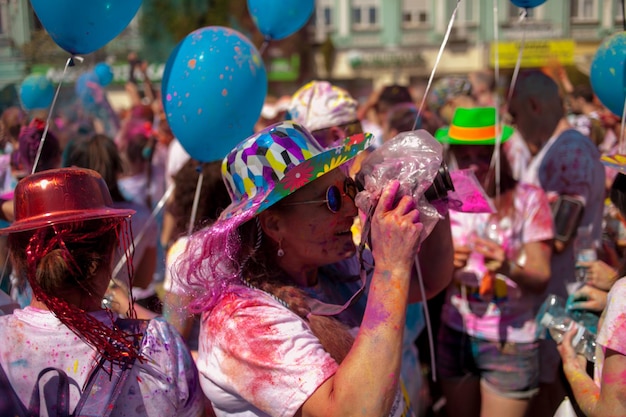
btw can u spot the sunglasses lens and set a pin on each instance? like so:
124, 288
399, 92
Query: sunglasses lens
333, 197
350, 188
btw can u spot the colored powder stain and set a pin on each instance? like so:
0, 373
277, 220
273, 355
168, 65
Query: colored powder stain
192, 64
199, 111
221, 76
168, 97
186, 95
139, 379
224, 92
20, 362
76, 366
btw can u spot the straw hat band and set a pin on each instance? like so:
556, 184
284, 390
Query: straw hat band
472, 133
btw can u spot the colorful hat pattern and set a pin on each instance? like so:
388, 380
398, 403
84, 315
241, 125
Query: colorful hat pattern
445, 89
319, 105
277, 161
617, 162
473, 126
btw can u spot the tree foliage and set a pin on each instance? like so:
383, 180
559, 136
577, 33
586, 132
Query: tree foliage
164, 23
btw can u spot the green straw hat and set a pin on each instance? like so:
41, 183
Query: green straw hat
473, 126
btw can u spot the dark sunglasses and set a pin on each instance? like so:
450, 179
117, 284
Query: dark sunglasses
334, 196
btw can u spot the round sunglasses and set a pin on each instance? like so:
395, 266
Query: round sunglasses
334, 196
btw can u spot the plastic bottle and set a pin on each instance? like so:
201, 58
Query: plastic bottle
584, 342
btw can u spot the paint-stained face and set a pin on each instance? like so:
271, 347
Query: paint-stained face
315, 235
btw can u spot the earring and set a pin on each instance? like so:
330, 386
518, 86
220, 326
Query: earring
280, 251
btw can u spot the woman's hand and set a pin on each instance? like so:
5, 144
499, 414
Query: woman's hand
396, 229
572, 361
492, 252
599, 274
461, 255
589, 298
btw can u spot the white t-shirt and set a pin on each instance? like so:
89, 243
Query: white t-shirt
611, 334
509, 315
166, 384
258, 358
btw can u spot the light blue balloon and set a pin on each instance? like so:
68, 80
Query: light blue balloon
83, 26
83, 91
277, 19
607, 73
528, 4
104, 72
214, 85
36, 92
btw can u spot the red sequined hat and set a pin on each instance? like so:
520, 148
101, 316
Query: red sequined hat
61, 196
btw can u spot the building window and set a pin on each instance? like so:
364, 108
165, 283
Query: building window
619, 12
415, 12
323, 15
467, 12
584, 10
365, 14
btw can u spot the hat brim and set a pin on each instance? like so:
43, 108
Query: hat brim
302, 174
442, 135
69, 216
617, 162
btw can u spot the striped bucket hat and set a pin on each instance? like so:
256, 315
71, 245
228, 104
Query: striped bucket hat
473, 126
277, 161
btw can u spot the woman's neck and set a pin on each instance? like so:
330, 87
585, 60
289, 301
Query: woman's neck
303, 276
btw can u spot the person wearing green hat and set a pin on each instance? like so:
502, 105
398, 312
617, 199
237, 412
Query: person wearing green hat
295, 319
488, 359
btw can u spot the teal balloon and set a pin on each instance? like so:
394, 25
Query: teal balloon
83, 26
104, 72
528, 4
36, 92
277, 19
607, 73
213, 88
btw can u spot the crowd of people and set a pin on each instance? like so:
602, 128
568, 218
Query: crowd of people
144, 282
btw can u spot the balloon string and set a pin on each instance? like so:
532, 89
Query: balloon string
495, 160
621, 136
518, 64
432, 73
157, 209
429, 328
196, 200
69, 63
264, 46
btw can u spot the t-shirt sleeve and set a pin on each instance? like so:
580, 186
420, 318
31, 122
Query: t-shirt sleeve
612, 333
255, 349
538, 223
169, 379
569, 166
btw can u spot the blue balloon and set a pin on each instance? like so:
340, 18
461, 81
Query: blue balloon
36, 92
528, 4
83, 26
277, 19
214, 85
104, 72
607, 73
84, 87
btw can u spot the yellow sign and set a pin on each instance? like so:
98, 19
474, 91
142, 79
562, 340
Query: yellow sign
535, 53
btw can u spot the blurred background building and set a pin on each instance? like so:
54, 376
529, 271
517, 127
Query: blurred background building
356, 43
